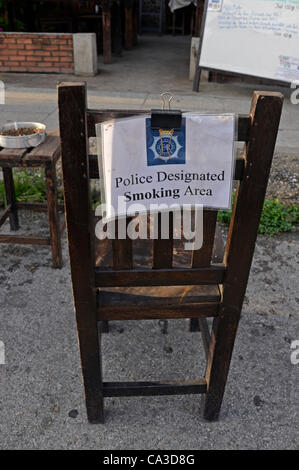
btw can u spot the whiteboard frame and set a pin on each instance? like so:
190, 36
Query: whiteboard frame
199, 68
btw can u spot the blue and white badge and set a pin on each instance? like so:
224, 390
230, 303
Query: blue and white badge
165, 146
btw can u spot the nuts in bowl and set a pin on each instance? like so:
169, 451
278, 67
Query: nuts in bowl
22, 134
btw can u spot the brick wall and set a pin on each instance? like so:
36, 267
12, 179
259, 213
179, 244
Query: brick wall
36, 52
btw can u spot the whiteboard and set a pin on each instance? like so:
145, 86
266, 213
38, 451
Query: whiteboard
252, 37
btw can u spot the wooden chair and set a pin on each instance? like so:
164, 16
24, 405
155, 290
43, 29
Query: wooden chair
217, 282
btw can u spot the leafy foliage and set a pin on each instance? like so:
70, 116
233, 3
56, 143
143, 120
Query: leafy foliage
29, 186
276, 217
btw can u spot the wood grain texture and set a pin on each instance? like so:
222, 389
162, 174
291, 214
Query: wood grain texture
5, 214
142, 389
122, 248
202, 257
24, 240
129, 27
55, 236
37, 206
49, 150
205, 334
163, 248
12, 155
167, 277
265, 117
158, 302
106, 24
10, 196
209, 309
159, 296
74, 154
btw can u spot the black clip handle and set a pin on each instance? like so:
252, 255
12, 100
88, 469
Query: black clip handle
170, 119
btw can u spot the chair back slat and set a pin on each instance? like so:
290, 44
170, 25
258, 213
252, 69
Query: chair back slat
122, 247
202, 257
163, 248
96, 116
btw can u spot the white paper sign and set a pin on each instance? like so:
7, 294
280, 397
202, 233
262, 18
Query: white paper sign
252, 37
192, 166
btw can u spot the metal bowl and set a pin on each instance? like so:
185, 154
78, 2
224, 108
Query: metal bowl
22, 141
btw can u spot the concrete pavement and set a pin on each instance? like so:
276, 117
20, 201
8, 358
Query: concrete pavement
135, 81
42, 398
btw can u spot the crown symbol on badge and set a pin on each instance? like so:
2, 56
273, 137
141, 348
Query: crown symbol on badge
165, 137
166, 132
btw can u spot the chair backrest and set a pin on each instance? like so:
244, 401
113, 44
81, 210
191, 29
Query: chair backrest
258, 131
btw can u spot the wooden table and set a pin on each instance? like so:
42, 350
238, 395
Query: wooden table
44, 156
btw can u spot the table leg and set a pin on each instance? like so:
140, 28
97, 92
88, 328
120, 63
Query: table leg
173, 23
50, 173
117, 31
129, 31
194, 325
105, 326
135, 24
106, 19
11, 198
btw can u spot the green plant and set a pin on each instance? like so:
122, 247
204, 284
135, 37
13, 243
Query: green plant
29, 186
19, 13
3, 17
276, 217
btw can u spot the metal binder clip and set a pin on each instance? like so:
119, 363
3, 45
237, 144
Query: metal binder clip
163, 100
166, 119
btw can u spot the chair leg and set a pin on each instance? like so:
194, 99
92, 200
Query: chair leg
223, 335
105, 326
89, 342
194, 325
11, 198
50, 172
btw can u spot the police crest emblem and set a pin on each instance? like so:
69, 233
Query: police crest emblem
165, 146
